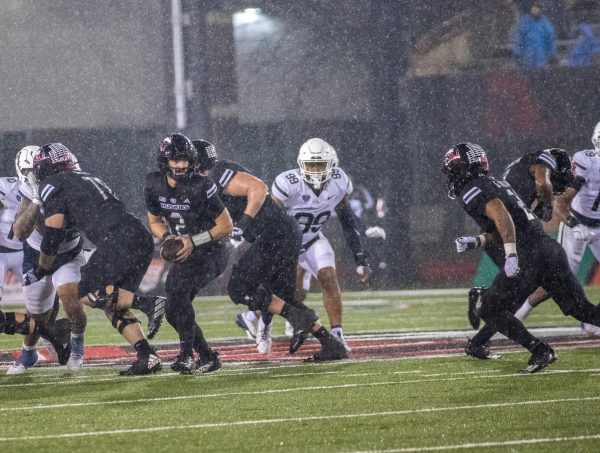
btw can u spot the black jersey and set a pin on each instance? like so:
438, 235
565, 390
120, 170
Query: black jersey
478, 192
519, 176
87, 203
222, 173
189, 208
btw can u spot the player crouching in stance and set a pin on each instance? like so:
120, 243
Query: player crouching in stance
180, 200
264, 277
124, 248
311, 194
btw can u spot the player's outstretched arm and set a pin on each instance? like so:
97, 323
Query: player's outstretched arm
223, 226
26, 219
496, 212
158, 226
246, 185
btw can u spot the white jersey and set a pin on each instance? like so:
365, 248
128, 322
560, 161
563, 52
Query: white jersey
11, 201
300, 200
35, 238
587, 201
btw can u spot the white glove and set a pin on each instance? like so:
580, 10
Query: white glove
375, 232
464, 243
511, 266
236, 241
580, 232
35, 188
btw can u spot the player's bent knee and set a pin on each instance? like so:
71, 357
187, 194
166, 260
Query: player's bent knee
10, 326
255, 298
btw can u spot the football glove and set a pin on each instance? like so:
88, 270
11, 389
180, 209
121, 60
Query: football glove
375, 232
464, 243
34, 275
511, 266
362, 269
240, 228
544, 212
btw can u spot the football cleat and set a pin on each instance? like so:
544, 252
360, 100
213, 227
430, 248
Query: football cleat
183, 364
339, 336
143, 365
331, 350
480, 351
248, 326
52, 355
25, 361
263, 337
297, 340
590, 329
209, 364
75, 361
155, 313
542, 356
59, 335
475, 306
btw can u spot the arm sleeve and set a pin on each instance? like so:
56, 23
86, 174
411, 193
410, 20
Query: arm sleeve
349, 227
280, 188
53, 199
214, 205
222, 175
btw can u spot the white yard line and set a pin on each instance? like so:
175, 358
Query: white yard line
504, 443
334, 417
457, 377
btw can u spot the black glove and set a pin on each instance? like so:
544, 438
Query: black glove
544, 212
572, 221
34, 275
241, 228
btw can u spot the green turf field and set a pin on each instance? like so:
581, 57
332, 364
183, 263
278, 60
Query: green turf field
410, 404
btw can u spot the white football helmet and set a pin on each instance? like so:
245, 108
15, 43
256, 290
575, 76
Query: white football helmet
596, 138
24, 161
317, 150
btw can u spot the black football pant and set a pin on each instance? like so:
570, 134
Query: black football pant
183, 283
268, 267
543, 263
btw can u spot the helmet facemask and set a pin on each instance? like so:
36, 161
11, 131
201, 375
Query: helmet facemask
178, 148
463, 163
317, 151
52, 159
24, 162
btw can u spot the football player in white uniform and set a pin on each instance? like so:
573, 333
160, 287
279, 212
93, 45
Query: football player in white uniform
312, 193
582, 227
11, 249
66, 275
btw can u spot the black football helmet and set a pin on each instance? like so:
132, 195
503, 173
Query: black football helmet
176, 147
463, 163
207, 155
51, 159
562, 177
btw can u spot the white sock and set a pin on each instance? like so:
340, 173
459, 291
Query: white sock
250, 316
28, 348
75, 336
522, 312
337, 331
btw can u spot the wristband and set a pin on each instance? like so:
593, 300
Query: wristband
510, 249
245, 222
201, 238
480, 240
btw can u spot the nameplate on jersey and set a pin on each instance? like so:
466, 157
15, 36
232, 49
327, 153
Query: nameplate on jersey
175, 207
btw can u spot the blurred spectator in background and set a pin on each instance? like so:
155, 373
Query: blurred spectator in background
535, 40
585, 48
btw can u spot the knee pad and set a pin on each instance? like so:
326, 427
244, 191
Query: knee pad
119, 321
99, 300
255, 298
9, 325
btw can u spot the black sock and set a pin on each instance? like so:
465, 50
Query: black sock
143, 348
322, 335
200, 344
141, 302
483, 336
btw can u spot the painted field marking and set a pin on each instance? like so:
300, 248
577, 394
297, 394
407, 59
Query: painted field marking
505, 443
320, 418
459, 377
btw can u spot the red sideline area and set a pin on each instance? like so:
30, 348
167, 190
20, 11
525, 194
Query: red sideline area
375, 346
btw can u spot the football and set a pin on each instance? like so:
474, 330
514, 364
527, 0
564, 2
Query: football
169, 248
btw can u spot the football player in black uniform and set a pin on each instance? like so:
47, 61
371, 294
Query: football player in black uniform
535, 178
504, 218
184, 204
124, 247
264, 277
